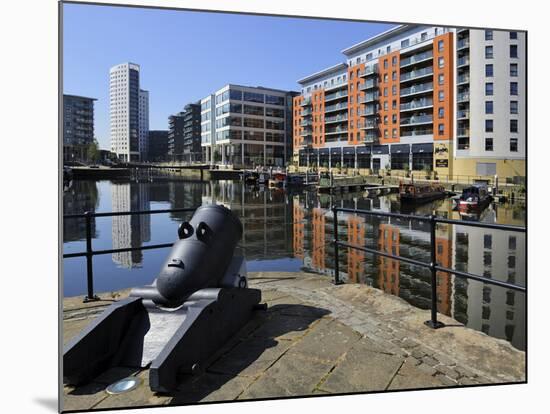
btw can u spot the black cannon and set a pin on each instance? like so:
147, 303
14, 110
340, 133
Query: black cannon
199, 299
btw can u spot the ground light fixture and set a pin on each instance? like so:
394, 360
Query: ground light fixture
124, 385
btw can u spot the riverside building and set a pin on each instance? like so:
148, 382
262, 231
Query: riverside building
419, 98
129, 113
246, 126
78, 126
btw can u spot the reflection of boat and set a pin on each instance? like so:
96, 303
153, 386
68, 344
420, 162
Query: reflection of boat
67, 178
250, 177
474, 198
420, 193
277, 180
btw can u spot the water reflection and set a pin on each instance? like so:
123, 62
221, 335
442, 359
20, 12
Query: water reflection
289, 231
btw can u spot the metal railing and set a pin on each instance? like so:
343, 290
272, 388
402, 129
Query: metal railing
90, 252
433, 265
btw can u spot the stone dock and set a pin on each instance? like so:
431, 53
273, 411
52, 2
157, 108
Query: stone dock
315, 338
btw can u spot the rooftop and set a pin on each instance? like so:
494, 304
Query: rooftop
333, 69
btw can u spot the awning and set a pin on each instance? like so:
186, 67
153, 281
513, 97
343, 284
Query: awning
416, 148
349, 150
380, 149
323, 151
400, 148
301, 153
363, 150
336, 150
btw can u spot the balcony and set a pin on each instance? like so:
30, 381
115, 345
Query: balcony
420, 57
306, 122
463, 132
413, 90
463, 97
369, 97
416, 120
307, 112
306, 102
463, 43
370, 138
416, 104
306, 133
462, 79
417, 74
337, 130
371, 124
337, 107
463, 61
336, 85
336, 118
416, 132
462, 114
369, 110
369, 84
368, 71
337, 95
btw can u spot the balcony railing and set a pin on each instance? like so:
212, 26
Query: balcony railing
306, 112
370, 138
416, 120
463, 132
369, 97
306, 122
371, 124
462, 114
464, 60
306, 102
369, 110
416, 89
464, 78
416, 132
336, 85
463, 97
336, 131
462, 43
370, 83
417, 103
337, 107
417, 74
416, 58
369, 70
336, 118
336, 95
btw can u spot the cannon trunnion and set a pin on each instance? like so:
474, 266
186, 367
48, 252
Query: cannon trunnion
197, 302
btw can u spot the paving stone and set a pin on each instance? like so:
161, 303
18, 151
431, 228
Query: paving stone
362, 370
210, 387
418, 353
278, 326
327, 341
289, 376
250, 358
450, 372
427, 369
140, 396
467, 381
445, 379
409, 343
445, 360
115, 374
84, 397
73, 327
465, 372
410, 377
430, 361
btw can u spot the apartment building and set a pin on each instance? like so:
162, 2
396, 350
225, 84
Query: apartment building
158, 145
246, 126
78, 126
402, 100
129, 112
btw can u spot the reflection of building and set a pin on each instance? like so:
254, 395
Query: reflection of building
243, 126
298, 229
158, 146
356, 236
419, 97
78, 126
130, 230
82, 196
498, 255
319, 242
388, 271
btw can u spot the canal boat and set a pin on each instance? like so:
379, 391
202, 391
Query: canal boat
277, 180
420, 193
474, 198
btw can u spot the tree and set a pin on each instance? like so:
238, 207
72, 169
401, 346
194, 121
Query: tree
93, 153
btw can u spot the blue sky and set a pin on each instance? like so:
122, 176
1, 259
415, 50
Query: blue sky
186, 55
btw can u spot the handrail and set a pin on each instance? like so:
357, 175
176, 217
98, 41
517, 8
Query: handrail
90, 253
433, 265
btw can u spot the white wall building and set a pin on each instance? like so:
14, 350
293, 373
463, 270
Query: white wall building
125, 107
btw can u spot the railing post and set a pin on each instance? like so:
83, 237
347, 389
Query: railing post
336, 280
433, 322
90, 297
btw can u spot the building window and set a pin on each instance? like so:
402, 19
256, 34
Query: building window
489, 70
385, 105
488, 35
385, 133
513, 125
513, 51
393, 59
423, 36
488, 52
394, 133
440, 78
441, 113
405, 43
440, 46
368, 56
385, 63
394, 104
513, 145
388, 49
513, 88
441, 129
394, 119
488, 125
488, 147
441, 96
385, 77
488, 88
489, 107
385, 119
394, 90
512, 243
513, 107
394, 75
385, 91
514, 69
513, 35
441, 62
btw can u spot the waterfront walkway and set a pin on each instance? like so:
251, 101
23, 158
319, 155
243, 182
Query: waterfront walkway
315, 339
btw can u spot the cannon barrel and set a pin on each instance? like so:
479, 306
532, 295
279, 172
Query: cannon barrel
200, 258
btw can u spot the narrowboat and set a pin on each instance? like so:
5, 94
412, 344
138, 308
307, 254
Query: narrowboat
475, 197
420, 193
